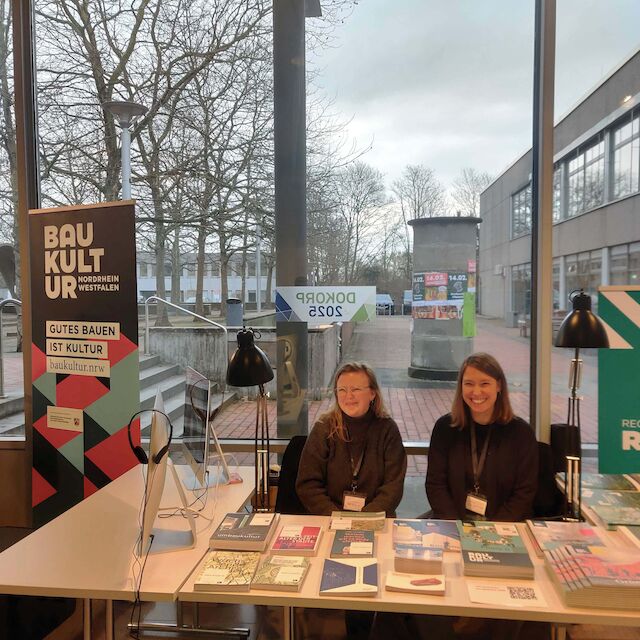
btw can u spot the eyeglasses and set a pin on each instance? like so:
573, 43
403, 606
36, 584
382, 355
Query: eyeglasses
343, 391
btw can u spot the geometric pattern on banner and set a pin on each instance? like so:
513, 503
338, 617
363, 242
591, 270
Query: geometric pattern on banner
46, 385
40, 488
114, 410
73, 451
40, 402
93, 432
59, 473
78, 392
119, 349
95, 476
38, 362
89, 487
618, 396
113, 456
56, 437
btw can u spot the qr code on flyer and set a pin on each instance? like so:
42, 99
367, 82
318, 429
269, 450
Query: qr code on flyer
521, 593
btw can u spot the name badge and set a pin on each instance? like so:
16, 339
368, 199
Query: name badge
353, 501
476, 503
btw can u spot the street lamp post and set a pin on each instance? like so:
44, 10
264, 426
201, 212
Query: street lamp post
125, 112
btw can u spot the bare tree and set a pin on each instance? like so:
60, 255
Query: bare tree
467, 189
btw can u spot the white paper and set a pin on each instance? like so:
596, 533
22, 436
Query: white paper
515, 593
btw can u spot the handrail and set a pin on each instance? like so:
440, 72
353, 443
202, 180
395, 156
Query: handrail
147, 351
3, 304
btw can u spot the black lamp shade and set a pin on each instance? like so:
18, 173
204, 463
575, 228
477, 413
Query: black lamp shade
582, 328
249, 365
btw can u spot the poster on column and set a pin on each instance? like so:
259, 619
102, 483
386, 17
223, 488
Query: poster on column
618, 381
441, 295
85, 370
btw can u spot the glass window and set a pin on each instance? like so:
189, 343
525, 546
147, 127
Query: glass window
521, 289
626, 158
619, 265
143, 269
634, 263
521, 212
557, 193
586, 179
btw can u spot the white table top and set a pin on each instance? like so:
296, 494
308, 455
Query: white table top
87, 552
454, 602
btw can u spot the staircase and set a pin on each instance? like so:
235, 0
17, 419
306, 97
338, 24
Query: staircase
154, 375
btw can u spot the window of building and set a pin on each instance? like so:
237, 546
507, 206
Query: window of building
521, 289
618, 265
143, 269
556, 283
252, 295
557, 194
521, 212
634, 263
586, 179
626, 158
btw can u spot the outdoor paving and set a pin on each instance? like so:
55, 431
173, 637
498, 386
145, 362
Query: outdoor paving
414, 404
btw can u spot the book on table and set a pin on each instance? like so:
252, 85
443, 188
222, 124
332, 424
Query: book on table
596, 577
547, 534
418, 545
281, 573
609, 481
433, 584
431, 534
353, 543
631, 533
606, 497
371, 520
227, 571
244, 531
612, 516
493, 550
357, 577
297, 540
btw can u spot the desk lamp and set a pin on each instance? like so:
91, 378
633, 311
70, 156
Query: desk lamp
581, 329
248, 367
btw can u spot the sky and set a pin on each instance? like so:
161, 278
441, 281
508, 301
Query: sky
448, 83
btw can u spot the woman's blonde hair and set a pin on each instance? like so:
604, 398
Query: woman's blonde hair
502, 411
334, 416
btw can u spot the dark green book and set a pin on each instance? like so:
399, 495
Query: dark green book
353, 543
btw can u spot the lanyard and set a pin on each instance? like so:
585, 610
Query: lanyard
478, 465
355, 467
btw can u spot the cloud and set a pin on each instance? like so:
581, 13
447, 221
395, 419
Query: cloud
449, 84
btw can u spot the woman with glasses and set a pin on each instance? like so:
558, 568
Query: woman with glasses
354, 458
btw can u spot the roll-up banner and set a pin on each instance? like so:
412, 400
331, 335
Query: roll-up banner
619, 381
85, 370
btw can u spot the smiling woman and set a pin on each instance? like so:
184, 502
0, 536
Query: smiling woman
483, 460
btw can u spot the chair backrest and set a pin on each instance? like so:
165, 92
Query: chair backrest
287, 500
548, 501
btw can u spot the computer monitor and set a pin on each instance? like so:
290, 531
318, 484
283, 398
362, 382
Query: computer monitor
167, 539
197, 432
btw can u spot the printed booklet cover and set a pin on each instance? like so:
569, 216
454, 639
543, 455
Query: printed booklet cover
432, 534
244, 531
298, 540
494, 549
358, 577
227, 571
281, 573
353, 543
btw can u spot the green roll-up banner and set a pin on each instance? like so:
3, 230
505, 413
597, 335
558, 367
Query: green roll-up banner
619, 381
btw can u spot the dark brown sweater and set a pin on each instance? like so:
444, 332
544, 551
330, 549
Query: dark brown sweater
325, 468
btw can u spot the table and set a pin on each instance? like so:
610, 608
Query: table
455, 603
87, 552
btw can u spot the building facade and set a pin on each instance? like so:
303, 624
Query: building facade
596, 204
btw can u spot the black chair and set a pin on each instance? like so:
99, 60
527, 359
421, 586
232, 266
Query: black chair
287, 500
548, 501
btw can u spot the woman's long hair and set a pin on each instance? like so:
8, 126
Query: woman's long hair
502, 411
333, 417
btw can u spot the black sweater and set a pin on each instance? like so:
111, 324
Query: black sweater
325, 468
509, 480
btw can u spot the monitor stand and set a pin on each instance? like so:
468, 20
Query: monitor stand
165, 540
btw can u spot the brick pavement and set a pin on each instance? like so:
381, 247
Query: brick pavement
415, 405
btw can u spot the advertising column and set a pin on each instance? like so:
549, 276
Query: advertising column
85, 367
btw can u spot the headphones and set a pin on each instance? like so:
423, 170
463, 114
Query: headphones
138, 451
